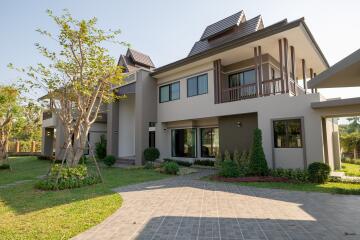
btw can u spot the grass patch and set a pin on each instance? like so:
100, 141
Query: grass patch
350, 169
27, 213
329, 187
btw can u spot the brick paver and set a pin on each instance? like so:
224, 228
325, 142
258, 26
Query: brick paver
186, 208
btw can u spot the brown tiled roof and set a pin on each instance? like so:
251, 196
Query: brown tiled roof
244, 29
222, 25
140, 58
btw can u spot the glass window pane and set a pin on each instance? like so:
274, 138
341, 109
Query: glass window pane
183, 142
164, 93
249, 77
280, 134
234, 80
209, 142
203, 84
192, 86
175, 91
294, 133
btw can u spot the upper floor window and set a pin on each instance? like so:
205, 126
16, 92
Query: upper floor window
169, 92
197, 85
287, 133
242, 78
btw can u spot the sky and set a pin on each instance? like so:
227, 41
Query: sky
167, 29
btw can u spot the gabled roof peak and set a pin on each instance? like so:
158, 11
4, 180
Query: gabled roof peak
223, 25
140, 58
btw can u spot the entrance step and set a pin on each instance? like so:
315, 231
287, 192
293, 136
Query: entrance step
126, 160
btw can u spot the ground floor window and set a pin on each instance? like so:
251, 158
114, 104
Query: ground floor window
209, 142
287, 133
183, 142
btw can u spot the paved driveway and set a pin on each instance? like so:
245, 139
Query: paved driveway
186, 208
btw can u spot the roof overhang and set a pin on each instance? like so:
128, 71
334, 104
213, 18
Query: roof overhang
277, 30
345, 73
338, 107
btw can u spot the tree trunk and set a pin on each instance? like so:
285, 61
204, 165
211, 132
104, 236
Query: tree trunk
355, 152
77, 147
3, 146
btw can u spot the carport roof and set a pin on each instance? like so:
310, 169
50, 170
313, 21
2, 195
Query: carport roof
345, 73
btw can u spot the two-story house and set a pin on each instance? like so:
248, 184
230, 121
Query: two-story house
240, 75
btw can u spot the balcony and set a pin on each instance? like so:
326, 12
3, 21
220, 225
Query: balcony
269, 87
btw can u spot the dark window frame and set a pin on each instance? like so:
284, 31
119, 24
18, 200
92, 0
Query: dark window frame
287, 134
197, 85
201, 141
242, 72
170, 93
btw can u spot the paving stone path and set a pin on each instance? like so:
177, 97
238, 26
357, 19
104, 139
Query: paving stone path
186, 208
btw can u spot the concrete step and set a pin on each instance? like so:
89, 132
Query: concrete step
126, 160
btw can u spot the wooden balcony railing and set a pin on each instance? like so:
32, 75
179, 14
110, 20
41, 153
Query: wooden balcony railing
269, 87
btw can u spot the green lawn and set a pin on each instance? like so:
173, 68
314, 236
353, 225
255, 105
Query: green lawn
27, 213
330, 187
350, 169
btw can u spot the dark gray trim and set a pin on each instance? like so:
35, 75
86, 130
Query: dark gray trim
262, 33
336, 103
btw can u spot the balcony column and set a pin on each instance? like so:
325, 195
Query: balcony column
217, 81
286, 51
293, 67
260, 72
311, 77
315, 88
281, 67
256, 70
304, 74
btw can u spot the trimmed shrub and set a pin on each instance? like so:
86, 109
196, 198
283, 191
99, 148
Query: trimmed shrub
171, 168
258, 165
100, 148
236, 156
109, 160
296, 175
67, 177
319, 172
204, 162
218, 160
243, 163
4, 166
228, 169
151, 154
149, 165
179, 162
227, 156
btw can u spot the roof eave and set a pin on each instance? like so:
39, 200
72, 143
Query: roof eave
265, 32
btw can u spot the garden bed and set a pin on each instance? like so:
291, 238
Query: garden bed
250, 179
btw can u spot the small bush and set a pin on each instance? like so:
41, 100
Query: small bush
258, 165
61, 177
318, 172
296, 175
151, 154
352, 161
109, 160
171, 168
179, 162
4, 166
227, 156
43, 157
218, 160
149, 165
228, 169
204, 162
100, 148
243, 163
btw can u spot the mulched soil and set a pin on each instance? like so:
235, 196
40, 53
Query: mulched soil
250, 179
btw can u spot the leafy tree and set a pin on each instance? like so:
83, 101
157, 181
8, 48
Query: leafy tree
354, 124
350, 142
27, 125
9, 105
258, 165
78, 78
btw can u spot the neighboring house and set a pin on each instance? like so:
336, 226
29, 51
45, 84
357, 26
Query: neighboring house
53, 135
239, 76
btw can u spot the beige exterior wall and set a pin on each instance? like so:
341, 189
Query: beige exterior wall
267, 108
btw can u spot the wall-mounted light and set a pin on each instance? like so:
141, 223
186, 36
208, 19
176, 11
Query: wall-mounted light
238, 124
